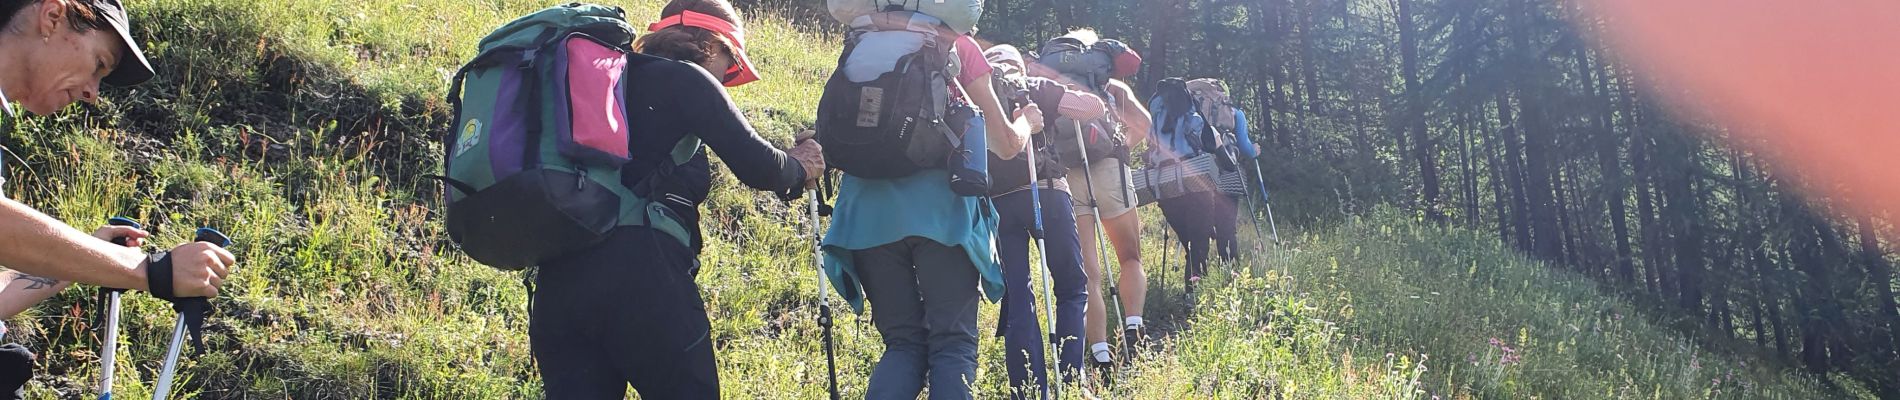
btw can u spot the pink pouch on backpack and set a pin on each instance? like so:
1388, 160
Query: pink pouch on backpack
597, 110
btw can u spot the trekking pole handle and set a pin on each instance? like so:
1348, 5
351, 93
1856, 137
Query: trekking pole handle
121, 241
191, 310
212, 236
123, 221
216, 238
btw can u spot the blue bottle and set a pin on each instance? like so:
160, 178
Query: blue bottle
969, 162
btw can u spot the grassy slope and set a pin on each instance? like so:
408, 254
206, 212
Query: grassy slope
300, 128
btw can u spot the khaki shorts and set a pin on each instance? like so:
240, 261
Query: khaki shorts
1114, 189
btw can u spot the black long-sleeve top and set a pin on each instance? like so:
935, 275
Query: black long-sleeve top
668, 100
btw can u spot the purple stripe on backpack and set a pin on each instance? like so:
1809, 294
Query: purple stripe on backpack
505, 150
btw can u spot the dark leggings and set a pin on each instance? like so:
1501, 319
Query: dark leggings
1198, 217
1226, 216
624, 312
1023, 338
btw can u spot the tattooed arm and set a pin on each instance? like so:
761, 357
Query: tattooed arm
23, 291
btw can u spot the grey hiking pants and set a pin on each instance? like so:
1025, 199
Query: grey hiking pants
923, 298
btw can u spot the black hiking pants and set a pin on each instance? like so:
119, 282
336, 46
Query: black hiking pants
625, 312
1198, 218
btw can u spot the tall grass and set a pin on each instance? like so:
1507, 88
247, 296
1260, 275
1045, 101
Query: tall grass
1493, 324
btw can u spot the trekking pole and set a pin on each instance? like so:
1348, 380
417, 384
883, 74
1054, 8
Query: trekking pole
1253, 214
1268, 204
824, 302
190, 316
1054, 360
110, 353
1088, 176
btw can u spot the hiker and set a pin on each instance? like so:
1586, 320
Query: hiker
918, 242
626, 311
1103, 190
1010, 191
1200, 141
54, 53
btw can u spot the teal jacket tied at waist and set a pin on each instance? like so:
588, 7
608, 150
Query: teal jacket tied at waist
874, 212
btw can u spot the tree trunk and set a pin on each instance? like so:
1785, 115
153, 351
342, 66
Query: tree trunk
1566, 222
1750, 246
1640, 184
1755, 324
1683, 208
1610, 164
1267, 86
1718, 296
1535, 126
1763, 268
1833, 315
1880, 274
1413, 120
1520, 212
1814, 289
1206, 63
1469, 179
1501, 201
1068, 14
1309, 81
1168, 17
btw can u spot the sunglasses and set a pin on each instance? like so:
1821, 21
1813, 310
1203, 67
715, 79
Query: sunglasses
732, 69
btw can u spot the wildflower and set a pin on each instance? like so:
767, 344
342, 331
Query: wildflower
1507, 355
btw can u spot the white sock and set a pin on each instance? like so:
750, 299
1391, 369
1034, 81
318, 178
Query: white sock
1133, 322
1100, 350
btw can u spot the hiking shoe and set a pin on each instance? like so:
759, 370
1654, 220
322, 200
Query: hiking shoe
1132, 342
1101, 363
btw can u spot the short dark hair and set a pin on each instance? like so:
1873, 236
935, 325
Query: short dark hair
79, 13
685, 43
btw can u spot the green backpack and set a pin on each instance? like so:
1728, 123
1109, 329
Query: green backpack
533, 163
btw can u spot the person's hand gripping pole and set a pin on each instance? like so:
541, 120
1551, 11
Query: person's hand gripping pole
191, 312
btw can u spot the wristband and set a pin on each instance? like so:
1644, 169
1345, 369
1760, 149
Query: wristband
158, 276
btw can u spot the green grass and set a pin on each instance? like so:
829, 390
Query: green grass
301, 128
1447, 294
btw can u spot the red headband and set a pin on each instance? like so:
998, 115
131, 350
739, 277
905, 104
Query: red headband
744, 72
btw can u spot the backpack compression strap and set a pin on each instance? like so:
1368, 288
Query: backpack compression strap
642, 208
